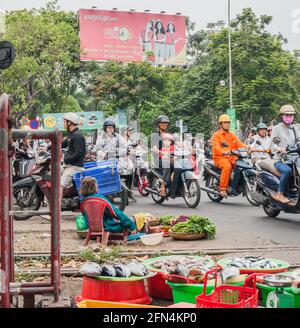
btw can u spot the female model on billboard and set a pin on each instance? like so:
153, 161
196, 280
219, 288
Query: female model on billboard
147, 36
171, 41
160, 40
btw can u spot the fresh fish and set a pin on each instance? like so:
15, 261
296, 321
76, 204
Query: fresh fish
122, 270
182, 270
108, 271
137, 269
91, 269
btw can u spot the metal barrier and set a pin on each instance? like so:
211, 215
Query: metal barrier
8, 286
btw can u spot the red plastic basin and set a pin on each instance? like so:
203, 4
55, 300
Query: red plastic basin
158, 288
133, 292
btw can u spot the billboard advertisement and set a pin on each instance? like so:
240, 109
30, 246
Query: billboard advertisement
132, 36
87, 120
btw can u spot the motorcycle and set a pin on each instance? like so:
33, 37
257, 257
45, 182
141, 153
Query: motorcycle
142, 174
247, 182
268, 184
188, 185
28, 193
22, 164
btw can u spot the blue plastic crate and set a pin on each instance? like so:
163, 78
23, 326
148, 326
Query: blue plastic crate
106, 173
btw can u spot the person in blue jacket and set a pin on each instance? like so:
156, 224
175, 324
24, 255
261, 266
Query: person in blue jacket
89, 189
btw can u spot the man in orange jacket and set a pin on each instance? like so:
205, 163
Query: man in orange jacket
223, 142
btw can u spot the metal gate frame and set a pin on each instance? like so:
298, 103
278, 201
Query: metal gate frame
9, 287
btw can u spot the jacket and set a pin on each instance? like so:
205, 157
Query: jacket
76, 148
230, 138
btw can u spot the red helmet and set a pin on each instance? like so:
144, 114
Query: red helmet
168, 136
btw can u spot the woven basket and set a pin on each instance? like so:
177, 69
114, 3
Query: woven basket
154, 222
186, 236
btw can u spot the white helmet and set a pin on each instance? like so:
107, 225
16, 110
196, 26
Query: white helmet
71, 117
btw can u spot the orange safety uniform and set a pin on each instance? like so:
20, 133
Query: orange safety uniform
225, 162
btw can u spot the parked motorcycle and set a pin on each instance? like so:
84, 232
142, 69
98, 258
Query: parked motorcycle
23, 163
188, 185
268, 184
142, 175
247, 182
29, 192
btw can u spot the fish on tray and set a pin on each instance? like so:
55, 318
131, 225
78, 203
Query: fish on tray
252, 262
182, 270
122, 270
108, 271
137, 269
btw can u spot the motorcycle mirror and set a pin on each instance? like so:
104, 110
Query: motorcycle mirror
251, 141
224, 144
258, 142
276, 140
7, 54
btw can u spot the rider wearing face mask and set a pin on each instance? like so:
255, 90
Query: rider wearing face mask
289, 136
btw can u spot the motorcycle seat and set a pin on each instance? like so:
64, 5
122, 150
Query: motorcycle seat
269, 166
211, 165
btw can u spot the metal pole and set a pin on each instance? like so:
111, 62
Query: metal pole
230, 54
4, 204
55, 205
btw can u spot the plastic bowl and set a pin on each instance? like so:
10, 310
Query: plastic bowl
152, 239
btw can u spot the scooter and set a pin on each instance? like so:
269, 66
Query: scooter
188, 185
29, 192
246, 185
142, 174
22, 164
268, 184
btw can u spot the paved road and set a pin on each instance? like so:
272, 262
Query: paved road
235, 217
238, 225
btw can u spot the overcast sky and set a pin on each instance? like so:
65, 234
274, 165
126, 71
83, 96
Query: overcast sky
286, 13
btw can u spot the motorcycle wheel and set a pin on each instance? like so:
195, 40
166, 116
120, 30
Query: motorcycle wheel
248, 192
155, 186
120, 199
194, 190
212, 183
20, 195
271, 211
141, 189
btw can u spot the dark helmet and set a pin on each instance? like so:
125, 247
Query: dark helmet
261, 126
162, 119
107, 123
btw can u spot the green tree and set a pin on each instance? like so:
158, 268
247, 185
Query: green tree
265, 75
136, 86
47, 64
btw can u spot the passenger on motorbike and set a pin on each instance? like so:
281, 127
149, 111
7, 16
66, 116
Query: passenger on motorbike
289, 136
223, 143
76, 149
167, 156
162, 123
260, 144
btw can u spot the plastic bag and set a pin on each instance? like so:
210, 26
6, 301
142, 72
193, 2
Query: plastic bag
91, 269
81, 223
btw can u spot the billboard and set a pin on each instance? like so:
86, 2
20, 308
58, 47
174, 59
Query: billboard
88, 120
132, 36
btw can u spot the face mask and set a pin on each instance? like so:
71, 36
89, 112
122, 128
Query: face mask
287, 119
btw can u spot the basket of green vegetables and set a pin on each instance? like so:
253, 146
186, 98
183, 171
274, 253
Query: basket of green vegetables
195, 227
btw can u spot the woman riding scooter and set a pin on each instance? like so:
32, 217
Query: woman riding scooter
289, 136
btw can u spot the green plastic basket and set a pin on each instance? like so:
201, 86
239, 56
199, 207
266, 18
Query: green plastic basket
187, 292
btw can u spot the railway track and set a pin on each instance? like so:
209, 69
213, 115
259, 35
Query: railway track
207, 251
73, 272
